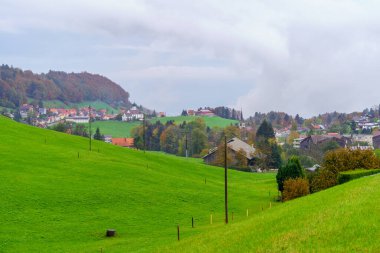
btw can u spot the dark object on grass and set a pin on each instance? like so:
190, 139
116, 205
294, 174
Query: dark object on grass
110, 232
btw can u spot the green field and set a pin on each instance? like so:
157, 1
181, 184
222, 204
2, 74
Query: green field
53, 201
116, 128
123, 129
95, 104
210, 121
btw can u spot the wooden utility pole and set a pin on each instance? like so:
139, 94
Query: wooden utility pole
186, 144
225, 179
89, 113
144, 132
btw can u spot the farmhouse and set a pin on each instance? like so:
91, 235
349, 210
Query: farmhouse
235, 146
205, 112
124, 142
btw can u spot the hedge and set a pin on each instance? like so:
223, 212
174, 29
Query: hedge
346, 176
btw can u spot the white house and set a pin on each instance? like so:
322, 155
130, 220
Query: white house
132, 114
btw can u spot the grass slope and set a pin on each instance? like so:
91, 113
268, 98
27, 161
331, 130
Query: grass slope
53, 201
115, 128
123, 129
95, 104
345, 218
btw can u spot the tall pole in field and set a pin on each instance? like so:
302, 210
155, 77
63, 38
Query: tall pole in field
89, 112
144, 132
186, 145
225, 179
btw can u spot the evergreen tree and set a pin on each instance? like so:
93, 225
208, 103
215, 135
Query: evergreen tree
184, 113
265, 131
267, 147
292, 169
98, 136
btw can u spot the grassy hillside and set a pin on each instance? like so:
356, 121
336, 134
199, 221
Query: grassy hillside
345, 218
95, 104
123, 129
53, 201
210, 121
116, 128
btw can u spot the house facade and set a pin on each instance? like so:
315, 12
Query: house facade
376, 140
78, 119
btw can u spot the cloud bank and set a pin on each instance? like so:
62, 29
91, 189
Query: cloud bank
305, 57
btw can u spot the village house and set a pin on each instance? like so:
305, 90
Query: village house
78, 119
42, 111
124, 142
132, 114
190, 112
315, 140
205, 112
376, 140
108, 138
235, 145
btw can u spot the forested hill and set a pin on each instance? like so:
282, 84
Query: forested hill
17, 86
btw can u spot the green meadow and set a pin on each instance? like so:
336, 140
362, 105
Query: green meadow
94, 104
123, 129
115, 128
57, 196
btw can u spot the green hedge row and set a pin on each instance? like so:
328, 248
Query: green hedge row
346, 176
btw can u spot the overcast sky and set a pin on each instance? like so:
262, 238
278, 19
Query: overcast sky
305, 57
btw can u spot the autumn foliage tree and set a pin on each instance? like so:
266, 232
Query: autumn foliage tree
340, 160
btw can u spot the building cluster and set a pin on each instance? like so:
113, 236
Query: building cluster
45, 117
365, 123
200, 112
352, 141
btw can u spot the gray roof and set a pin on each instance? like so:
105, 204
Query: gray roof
236, 144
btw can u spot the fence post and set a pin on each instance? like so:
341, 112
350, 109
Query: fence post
192, 222
178, 232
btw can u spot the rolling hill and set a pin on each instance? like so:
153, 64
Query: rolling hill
57, 196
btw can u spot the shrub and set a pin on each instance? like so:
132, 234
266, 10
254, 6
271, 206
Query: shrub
346, 176
323, 180
294, 188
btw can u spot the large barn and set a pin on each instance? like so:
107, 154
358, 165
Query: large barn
235, 146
